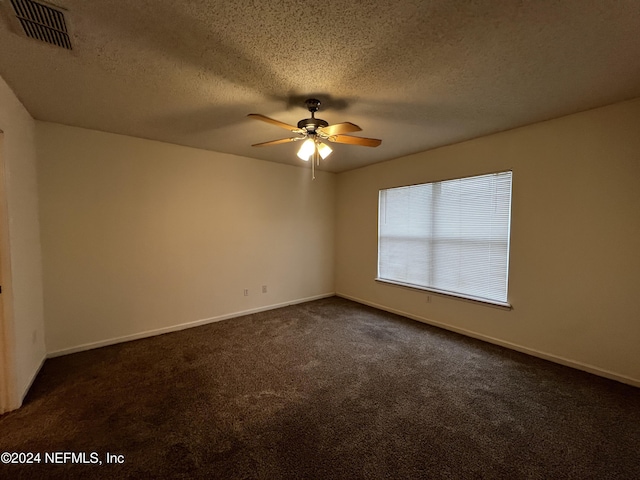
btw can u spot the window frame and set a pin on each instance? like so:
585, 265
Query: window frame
453, 294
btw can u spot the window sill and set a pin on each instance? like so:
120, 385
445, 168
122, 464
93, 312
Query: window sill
469, 298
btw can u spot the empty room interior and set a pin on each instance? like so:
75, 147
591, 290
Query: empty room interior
216, 260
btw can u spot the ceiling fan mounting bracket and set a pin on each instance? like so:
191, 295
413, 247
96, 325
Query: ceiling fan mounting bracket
313, 104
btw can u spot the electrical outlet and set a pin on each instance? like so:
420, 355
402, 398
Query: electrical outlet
246, 292
264, 289
428, 298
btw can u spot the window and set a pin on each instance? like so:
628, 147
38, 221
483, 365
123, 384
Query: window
450, 237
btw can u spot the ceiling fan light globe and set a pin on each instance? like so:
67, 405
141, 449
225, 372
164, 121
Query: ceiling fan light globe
306, 150
324, 150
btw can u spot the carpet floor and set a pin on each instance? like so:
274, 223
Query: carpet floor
329, 389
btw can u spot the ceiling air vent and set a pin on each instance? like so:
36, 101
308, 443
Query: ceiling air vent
42, 22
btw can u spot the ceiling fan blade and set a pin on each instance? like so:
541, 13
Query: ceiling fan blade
365, 142
275, 142
338, 128
272, 121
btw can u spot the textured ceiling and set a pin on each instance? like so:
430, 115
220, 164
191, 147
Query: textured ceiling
417, 74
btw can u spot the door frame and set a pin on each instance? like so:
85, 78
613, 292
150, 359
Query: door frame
8, 398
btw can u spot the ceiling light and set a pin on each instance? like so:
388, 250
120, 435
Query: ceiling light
324, 150
306, 149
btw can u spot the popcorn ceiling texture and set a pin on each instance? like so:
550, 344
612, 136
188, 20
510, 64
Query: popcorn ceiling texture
417, 74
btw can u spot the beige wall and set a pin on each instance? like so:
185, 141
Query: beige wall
24, 294
141, 236
575, 238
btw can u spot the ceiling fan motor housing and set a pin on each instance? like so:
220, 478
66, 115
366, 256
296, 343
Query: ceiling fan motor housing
312, 124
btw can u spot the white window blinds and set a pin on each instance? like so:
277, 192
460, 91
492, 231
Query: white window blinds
450, 236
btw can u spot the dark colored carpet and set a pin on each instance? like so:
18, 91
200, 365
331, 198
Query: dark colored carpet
323, 390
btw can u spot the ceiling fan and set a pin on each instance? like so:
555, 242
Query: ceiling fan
313, 130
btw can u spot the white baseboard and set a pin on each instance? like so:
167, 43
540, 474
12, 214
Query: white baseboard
33, 378
182, 326
519, 348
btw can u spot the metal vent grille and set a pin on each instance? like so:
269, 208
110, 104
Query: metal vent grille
42, 22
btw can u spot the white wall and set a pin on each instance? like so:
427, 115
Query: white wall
575, 239
24, 294
142, 236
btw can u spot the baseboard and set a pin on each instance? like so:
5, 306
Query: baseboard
33, 378
496, 341
182, 326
